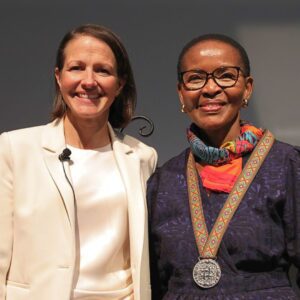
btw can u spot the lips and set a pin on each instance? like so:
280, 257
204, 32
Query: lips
211, 106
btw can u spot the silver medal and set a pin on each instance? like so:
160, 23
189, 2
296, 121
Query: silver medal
207, 273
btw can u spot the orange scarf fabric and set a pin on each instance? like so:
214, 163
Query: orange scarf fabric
221, 178
220, 167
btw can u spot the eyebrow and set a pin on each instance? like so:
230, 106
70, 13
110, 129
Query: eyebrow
106, 65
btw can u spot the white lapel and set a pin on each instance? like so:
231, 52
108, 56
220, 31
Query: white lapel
53, 143
129, 166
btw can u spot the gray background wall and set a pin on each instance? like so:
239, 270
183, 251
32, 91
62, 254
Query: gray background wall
153, 33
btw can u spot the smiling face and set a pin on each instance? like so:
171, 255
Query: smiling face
88, 80
214, 109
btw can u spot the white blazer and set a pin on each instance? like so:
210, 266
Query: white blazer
37, 232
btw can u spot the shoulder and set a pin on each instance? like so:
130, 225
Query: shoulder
21, 136
282, 159
173, 169
19, 144
142, 149
175, 164
146, 155
138, 145
283, 151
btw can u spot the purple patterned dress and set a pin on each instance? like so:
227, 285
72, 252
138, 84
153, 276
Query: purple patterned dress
258, 248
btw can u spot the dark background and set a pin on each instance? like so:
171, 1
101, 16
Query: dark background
154, 33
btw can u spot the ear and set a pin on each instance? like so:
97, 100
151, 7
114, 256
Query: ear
57, 76
179, 91
248, 88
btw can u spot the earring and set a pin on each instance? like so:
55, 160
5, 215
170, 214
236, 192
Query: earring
183, 108
245, 102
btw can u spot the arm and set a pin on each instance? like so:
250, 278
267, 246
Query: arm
6, 211
292, 210
159, 280
149, 161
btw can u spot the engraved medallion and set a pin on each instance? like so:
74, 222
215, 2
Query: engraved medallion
207, 273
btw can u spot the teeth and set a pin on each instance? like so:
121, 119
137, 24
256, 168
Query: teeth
212, 105
88, 96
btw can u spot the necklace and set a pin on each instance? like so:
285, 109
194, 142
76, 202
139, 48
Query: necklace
207, 271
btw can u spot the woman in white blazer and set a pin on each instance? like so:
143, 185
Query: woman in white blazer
73, 219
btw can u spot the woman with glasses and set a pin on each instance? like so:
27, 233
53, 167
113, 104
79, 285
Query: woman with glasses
224, 214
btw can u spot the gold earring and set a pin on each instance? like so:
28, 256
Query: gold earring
182, 108
245, 102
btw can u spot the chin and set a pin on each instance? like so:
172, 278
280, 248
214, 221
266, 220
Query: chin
216, 122
86, 116
210, 124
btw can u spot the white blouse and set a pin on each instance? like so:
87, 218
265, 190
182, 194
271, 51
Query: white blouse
103, 253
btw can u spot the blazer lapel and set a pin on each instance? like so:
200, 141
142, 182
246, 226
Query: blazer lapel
53, 143
129, 167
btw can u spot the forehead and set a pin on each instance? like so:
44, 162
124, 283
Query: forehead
211, 54
84, 45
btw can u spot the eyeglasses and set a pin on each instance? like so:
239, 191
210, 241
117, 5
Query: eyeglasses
224, 77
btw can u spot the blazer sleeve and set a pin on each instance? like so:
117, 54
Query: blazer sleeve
152, 162
6, 211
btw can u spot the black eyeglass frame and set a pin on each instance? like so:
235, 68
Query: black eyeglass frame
210, 74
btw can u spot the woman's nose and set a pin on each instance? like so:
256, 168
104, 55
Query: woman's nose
89, 80
211, 88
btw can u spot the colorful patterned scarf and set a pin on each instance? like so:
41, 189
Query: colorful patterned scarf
224, 164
